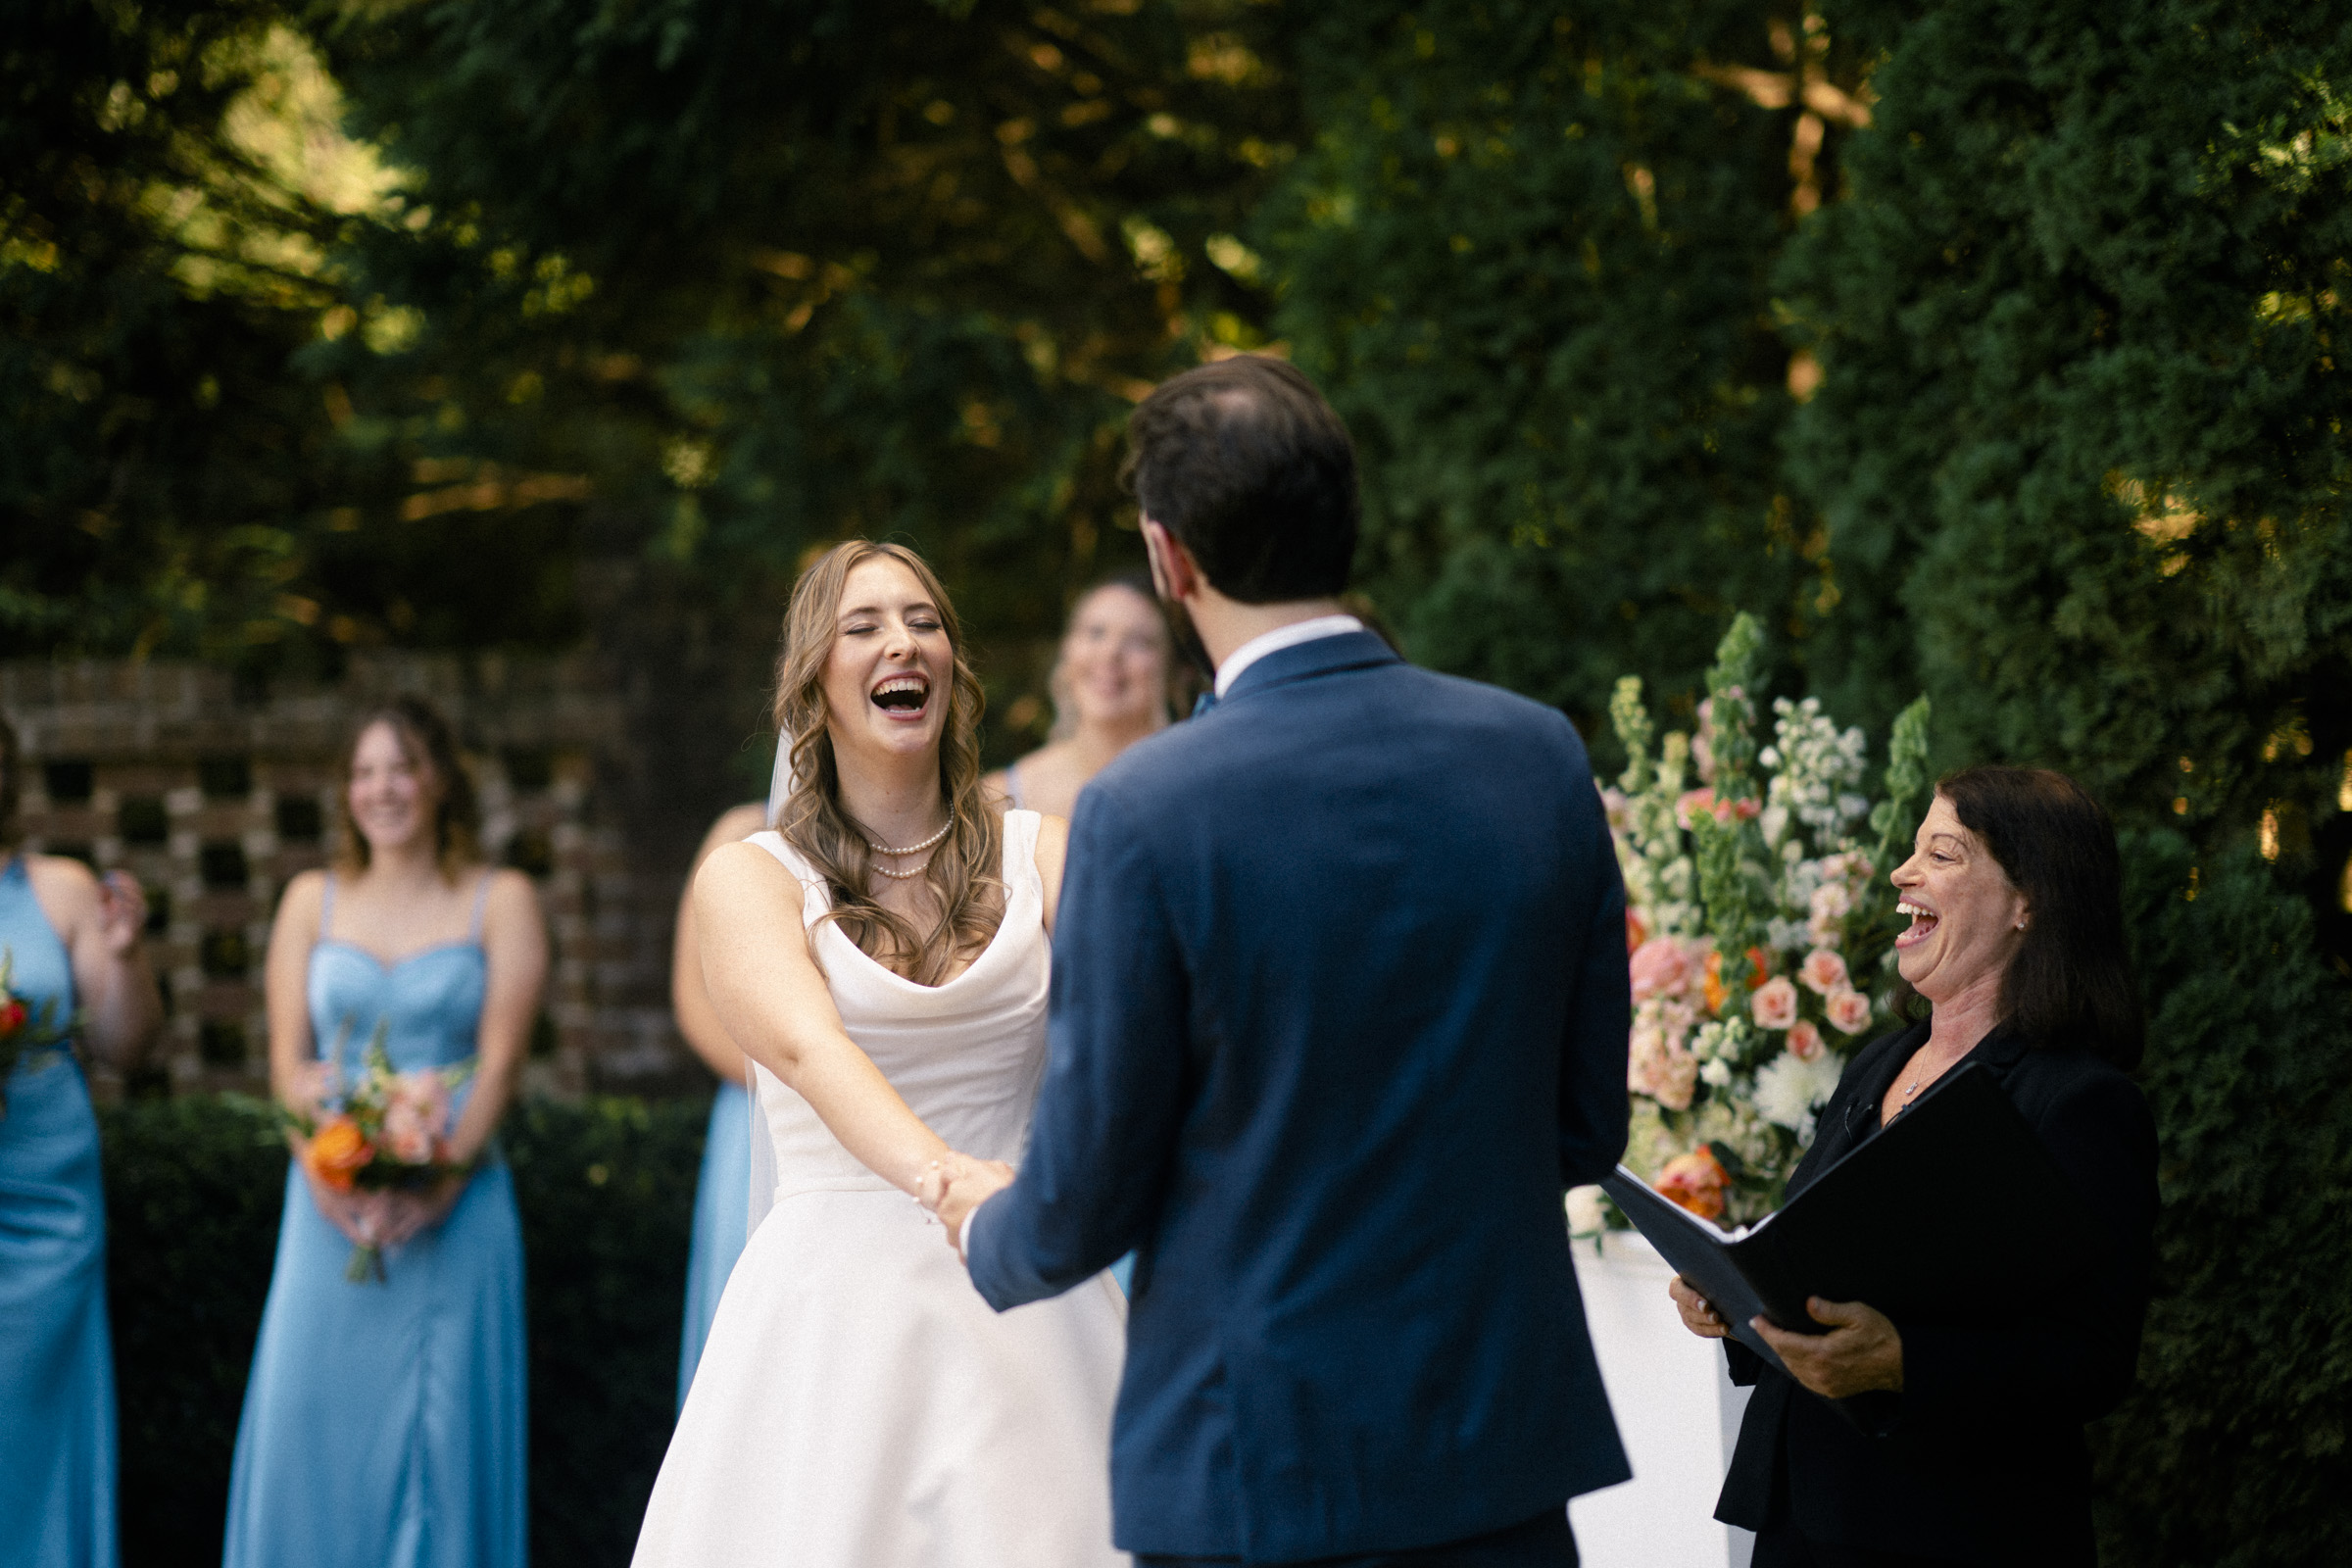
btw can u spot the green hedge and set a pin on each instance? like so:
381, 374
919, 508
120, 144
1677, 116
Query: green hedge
2232, 1452
606, 1193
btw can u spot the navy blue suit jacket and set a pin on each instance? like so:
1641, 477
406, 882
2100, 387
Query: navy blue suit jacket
1338, 1010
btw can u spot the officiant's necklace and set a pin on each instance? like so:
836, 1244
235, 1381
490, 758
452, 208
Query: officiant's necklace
912, 849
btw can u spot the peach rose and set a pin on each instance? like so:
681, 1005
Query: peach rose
1804, 1040
1695, 1181
1660, 967
1823, 973
1658, 1066
1774, 1005
339, 1151
1848, 1011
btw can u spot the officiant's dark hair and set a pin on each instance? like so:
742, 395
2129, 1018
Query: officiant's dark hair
1254, 473
2071, 981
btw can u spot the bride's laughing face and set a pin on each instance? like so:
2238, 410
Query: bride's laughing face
890, 671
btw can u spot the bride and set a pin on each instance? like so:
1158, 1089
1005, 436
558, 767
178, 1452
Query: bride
882, 959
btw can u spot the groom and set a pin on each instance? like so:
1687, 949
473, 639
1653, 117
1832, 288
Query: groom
1338, 1010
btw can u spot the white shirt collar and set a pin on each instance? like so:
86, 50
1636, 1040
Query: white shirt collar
1281, 637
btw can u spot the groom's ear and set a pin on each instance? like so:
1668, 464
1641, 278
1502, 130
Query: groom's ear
1174, 572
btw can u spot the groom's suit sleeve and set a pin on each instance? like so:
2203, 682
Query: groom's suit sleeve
1108, 1110
1594, 1105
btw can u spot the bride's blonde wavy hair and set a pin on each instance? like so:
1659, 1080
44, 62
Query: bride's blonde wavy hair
963, 872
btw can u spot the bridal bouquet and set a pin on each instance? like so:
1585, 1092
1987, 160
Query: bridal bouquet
1758, 928
23, 1025
381, 1131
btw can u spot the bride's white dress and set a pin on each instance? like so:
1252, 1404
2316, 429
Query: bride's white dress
857, 1405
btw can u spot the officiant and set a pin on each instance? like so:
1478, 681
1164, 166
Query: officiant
1899, 1442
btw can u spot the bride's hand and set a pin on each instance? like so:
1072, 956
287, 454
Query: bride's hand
963, 1185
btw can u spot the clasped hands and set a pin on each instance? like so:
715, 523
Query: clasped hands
951, 1187
1861, 1352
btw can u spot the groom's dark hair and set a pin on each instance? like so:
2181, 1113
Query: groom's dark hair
1254, 473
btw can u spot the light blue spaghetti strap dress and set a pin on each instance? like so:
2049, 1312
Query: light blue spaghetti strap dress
56, 1363
385, 1422
721, 1216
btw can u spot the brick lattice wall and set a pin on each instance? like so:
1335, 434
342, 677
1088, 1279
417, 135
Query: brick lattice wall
213, 799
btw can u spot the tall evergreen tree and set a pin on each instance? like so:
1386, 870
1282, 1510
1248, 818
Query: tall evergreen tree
1531, 249
2081, 448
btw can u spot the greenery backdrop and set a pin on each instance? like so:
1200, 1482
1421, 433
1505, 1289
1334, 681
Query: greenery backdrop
1982, 347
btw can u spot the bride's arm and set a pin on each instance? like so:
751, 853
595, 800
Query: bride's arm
1052, 849
773, 1002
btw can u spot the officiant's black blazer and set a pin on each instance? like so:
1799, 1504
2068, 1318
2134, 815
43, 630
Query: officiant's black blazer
1981, 1459
1338, 1010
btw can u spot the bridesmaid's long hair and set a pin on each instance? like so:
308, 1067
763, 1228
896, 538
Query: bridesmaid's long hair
963, 872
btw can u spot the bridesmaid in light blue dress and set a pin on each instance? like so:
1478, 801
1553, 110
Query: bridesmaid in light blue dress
70, 940
722, 1195
385, 1422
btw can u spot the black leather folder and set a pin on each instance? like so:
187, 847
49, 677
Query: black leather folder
1953, 1213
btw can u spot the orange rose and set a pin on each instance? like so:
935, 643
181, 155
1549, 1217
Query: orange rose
339, 1151
1715, 991
1695, 1181
1636, 933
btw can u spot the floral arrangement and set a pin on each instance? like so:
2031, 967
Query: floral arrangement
1760, 941
383, 1130
23, 1025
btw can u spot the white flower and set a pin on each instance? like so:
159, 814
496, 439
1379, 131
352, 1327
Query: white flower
1585, 1214
1716, 1073
1788, 1090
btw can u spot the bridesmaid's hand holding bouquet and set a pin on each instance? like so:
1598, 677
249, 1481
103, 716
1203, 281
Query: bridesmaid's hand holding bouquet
376, 1149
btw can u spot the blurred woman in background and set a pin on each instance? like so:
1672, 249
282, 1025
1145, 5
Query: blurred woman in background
384, 1419
71, 943
1110, 687
722, 1194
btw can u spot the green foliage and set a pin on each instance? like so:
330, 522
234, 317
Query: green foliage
606, 1193
2232, 1453
194, 1190
2081, 449
1530, 253
172, 479
756, 274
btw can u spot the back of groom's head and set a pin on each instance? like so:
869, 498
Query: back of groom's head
1254, 473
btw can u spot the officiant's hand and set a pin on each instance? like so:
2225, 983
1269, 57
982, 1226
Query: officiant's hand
1699, 1314
964, 1187
1862, 1351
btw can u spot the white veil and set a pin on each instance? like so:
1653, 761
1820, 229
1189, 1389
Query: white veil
762, 1145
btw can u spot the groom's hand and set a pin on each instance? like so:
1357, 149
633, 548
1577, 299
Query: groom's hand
971, 1184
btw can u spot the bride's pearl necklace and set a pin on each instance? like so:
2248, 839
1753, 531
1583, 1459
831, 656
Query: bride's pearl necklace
912, 849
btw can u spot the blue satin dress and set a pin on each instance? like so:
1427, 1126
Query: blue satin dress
57, 1362
721, 1215
385, 1422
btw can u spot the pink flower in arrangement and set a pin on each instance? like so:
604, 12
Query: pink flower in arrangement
1661, 967
1658, 1066
1617, 810
415, 1116
1823, 973
1830, 902
1848, 1011
1690, 803
1774, 1005
1804, 1040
